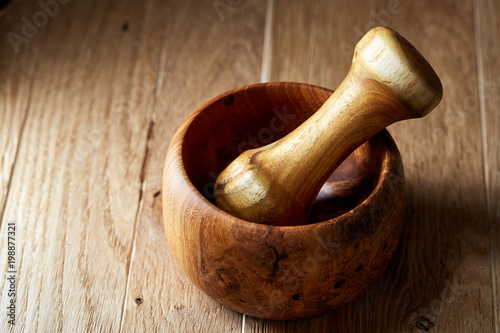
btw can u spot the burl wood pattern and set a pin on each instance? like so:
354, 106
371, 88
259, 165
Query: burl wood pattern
279, 272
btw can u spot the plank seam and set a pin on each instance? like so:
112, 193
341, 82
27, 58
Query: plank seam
482, 106
484, 143
265, 74
143, 172
137, 215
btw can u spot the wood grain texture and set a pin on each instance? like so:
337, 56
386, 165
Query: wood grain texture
17, 70
300, 43
487, 17
102, 86
76, 183
216, 49
440, 278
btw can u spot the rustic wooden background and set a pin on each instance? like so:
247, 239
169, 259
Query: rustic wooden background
91, 93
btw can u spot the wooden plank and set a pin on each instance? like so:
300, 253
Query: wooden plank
442, 283
210, 47
17, 70
488, 50
440, 278
313, 42
77, 180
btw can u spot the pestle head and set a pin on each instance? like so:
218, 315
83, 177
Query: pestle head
391, 59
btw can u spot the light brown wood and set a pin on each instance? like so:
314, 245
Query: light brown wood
487, 16
268, 271
445, 287
79, 61
76, 184
426, 270
276, 184
17, 71
225, 53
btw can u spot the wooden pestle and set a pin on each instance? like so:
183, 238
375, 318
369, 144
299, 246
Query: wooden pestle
389, 81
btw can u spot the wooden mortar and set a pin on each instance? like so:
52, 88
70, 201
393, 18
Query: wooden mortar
279, 272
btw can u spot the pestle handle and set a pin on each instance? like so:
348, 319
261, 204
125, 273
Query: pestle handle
389, 81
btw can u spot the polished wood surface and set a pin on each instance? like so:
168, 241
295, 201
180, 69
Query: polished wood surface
389, 81
90, 102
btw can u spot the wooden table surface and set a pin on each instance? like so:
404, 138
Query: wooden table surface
93, 91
